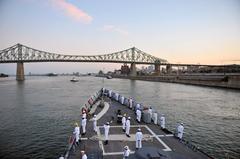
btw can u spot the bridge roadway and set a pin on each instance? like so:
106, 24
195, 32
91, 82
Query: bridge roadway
92, 142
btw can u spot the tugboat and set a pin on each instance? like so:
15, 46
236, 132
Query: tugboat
103, 111
74, 80
109, 77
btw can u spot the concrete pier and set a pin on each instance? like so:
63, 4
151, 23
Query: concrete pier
133, 70
20, 72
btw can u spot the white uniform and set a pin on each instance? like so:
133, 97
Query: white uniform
84, 115
138, 138
76, 132
130, 102
162, 119
110, 93
123, 122
122, 100
95, 124
106, 131
117, 95
139, 114
126, 153
84, 123
150, 112
128, 124
180, 131
84, 156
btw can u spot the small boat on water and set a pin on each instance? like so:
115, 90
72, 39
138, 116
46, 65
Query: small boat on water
109, 77
107, 108
74, 79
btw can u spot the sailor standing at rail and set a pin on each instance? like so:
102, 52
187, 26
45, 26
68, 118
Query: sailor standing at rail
84, 123
76, 132
95, 123
150, 112
128, 125
180, 129
106, 131
130, 102
138, 106
138, 138
116, 96
122, 100
139, 114
126, 152
162, 121
110, 93
124, 122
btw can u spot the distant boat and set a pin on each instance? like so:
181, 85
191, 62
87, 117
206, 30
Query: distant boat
51, 74
3, 75
109, 77
74, 80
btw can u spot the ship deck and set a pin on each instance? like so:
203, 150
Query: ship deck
92, 142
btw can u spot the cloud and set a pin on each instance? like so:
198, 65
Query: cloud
72, 11
112, 28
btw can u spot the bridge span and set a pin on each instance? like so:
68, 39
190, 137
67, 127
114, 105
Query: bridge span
21, 54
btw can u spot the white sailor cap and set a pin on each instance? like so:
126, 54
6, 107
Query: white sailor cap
82, 151
126, 147
139, 129
107, 123
95, 115
129, 117
181, 123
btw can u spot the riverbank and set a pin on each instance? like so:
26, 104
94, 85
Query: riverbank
222, 81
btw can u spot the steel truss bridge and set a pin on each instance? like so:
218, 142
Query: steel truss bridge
21, 53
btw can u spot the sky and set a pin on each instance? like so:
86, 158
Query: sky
180, 31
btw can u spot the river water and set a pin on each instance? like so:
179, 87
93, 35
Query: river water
37, 115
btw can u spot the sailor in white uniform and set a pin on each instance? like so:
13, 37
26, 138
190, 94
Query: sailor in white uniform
139, 114
180, 129
138, 138
126, 152
76, 132
116, 96
122, 100
110, 93
106, 131
84, 123
130, 103
95, 123
84, 156
84, 115
150, 112
124, 122
128, 125
162, 121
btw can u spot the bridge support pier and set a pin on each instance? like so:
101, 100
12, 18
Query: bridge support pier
169, 69
20, 72
157, 69
133, 70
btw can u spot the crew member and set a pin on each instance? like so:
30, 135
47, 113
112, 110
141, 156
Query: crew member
139, 114
110, 93
84, 156
128, 125
122, 100
95, 123
130, 103
126, 152
180, 131
150, 112
138, 106
138, 138
162, 121
84, 115
76, 132
116, 96
84, 123
106, 131
124, 122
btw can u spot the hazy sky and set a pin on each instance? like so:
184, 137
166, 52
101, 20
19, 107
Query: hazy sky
180, 31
